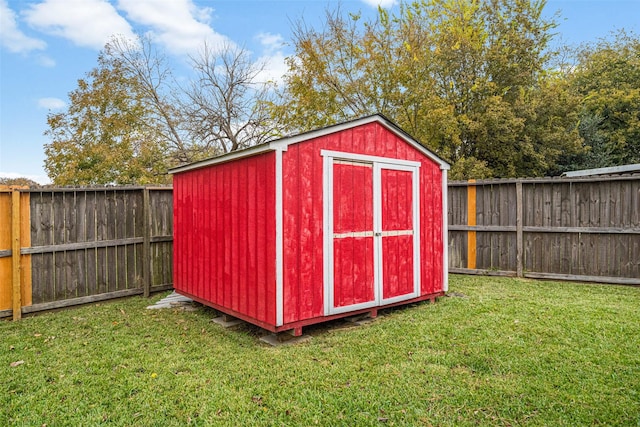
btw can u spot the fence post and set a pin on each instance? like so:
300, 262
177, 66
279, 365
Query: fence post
519, 237
146, 245
15, 255
471, 221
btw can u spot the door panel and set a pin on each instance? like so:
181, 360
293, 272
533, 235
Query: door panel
397, 232
353, 253
353, 271
397, 266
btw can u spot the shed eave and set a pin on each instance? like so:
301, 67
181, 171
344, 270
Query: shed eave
258, 149
283, 143
379, 118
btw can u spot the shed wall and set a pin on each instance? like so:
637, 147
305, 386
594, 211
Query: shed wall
224, 247
303, 215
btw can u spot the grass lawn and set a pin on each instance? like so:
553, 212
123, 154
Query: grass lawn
508, 352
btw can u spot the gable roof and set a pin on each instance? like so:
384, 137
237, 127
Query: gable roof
283, 143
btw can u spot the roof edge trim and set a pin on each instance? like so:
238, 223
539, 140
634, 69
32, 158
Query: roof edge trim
283, 143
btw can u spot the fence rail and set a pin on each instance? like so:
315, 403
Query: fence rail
582, 229
74, 246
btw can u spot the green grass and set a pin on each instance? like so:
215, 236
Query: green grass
510, 352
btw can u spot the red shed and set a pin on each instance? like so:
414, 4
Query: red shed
329, 223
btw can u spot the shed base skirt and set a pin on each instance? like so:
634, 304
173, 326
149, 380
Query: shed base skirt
296, 327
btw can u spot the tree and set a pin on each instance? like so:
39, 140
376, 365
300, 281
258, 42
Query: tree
103, 137
128, 121
224, 106
465, 77
607, 78
19, 181
140, 60
222, 109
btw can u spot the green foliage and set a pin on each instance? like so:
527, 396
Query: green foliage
506, 352
103, 137
467, 78
607, 77
469, 168
21, 181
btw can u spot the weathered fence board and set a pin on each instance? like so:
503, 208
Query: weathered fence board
579, 228
87, 244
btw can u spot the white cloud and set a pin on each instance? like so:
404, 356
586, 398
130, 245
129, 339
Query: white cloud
270, 42
51, 103
382, 3
10, 35
273, 57
89, 23
179, 25
46, 61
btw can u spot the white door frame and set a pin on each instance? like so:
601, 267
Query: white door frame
378, 163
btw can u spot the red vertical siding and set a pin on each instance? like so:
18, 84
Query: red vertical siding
224, 237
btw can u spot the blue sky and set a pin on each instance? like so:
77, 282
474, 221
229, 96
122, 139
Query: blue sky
46, 45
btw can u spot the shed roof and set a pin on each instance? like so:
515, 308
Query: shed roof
283, 143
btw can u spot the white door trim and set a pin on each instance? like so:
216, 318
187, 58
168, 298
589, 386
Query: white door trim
378, 163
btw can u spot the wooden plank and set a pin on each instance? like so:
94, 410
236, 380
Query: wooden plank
494, 238
471, 220
634, 250
120, 225
25, 240
6, 273
102, 274
528, 203
112, 226
482, 272
16, 297
91, 253
59, 237
71, 235
587, 180
507, 217
81, 300
583, 230
89, 245
529, 229
44, 288
584, 278
519, 231
132, 207
146, 245
485, 213
79, 270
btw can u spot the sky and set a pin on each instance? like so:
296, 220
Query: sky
47, 45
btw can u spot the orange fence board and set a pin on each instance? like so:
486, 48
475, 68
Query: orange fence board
5, 244
6, 270
471, 220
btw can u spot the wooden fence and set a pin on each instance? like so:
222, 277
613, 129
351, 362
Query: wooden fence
585, 229
61, 247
